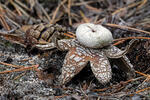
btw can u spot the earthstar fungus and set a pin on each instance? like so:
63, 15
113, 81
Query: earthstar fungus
96, 49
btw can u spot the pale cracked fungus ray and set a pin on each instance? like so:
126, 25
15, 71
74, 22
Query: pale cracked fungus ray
71, 66
66, 44
128, 61
72, 56
101, 69
82, 51
114, 52
77, 59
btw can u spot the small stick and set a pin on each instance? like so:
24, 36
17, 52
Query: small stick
59, 17
128, 38
55, 12
14, 39
147, 70
22, 74
121, 40
142, 73
82, 3
131, 80
10, 20
46, 14
23, 60
21, 69
7, 10
126, 28
57, 97
69, 15
16, 7
142, 3
2, 19
23, 11
142, 90
5, 25
23, 5
121, 9
69, 35
84, 17
124, 8
15, 66
72, 34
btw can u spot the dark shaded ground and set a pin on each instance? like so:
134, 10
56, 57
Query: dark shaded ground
30, 85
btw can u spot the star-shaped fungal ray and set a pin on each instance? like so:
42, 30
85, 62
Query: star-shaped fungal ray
73, 64
114, 52
101, 68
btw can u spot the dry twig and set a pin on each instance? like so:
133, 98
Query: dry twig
85, 19
34, 67
126, 28
56, 11
15, 66
121, 40
2, 19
